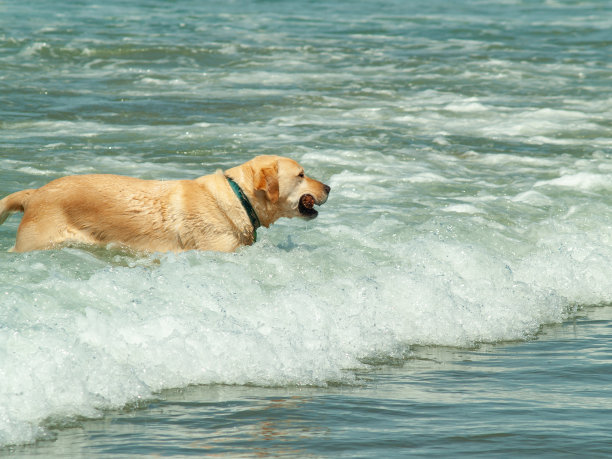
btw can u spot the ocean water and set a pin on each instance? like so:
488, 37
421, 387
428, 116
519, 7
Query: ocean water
453, 297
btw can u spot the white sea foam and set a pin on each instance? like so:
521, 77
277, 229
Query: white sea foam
426, 177
34, 171
163, 82
469, 106
462, 208
34, 48
436, 112
84, 333
533, 198
583, 181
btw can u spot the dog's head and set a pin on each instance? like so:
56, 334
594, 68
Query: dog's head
281, 189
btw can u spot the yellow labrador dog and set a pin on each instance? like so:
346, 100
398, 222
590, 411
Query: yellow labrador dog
219, 212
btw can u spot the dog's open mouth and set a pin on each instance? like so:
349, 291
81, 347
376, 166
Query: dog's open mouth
306, 206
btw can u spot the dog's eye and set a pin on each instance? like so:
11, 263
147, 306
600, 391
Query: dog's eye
301, 175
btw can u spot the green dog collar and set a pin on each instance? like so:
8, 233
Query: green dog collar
247, 206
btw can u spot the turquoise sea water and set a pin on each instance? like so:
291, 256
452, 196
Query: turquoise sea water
453, 297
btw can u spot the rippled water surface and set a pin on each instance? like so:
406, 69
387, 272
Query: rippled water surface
453, 297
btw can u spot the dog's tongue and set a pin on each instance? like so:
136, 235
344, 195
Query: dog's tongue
308, 201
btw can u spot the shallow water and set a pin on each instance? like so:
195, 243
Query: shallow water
545, 398
452, 297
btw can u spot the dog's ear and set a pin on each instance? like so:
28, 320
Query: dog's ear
266, 179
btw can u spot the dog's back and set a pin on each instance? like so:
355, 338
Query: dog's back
94, 209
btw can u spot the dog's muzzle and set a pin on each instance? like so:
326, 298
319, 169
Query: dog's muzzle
307, 203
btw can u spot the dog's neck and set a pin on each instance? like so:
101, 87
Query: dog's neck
261, 207
244, 200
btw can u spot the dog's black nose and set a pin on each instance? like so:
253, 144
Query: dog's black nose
327, 189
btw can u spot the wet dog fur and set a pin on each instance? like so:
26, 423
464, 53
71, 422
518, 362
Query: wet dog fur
160, 216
